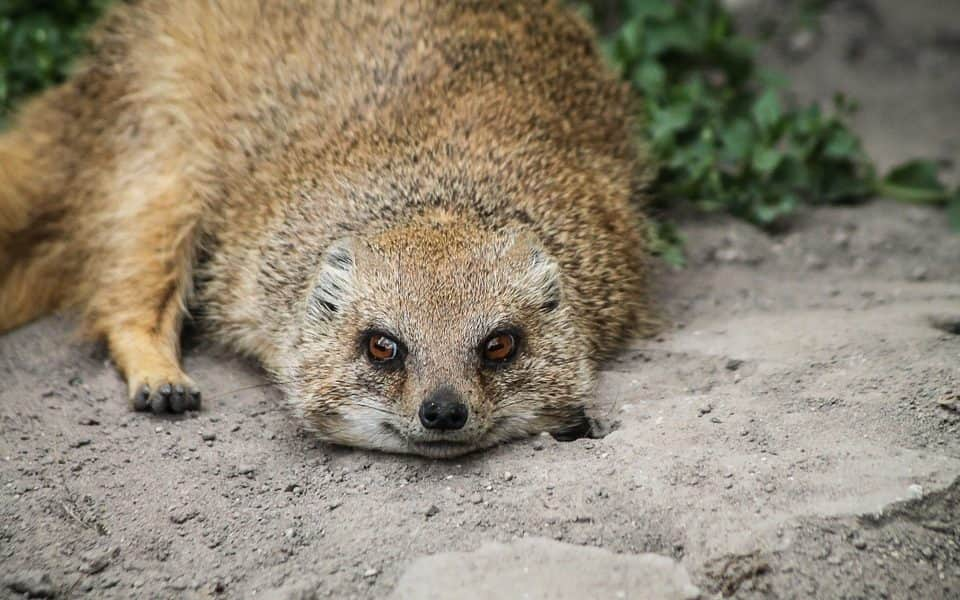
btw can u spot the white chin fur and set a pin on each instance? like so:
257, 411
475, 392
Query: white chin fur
362, 427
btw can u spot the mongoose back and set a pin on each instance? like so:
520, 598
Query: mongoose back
420, 216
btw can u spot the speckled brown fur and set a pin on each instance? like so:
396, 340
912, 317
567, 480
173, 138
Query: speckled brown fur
456, 161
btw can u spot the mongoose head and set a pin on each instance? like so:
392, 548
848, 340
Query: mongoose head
439, 338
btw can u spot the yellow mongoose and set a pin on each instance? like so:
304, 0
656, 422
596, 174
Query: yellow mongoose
418, 215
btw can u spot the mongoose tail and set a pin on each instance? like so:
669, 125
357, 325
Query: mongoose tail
28, 288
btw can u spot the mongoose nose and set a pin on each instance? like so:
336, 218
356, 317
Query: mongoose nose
444, 410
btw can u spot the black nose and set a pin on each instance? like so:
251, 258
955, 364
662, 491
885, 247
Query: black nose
444, 410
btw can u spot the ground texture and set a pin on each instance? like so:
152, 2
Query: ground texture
794, 433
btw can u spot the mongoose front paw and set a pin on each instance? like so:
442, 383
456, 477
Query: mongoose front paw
166, 397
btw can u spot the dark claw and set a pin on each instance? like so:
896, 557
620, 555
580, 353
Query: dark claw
159, 403
193, 399
165, 389
177, 400
141, 400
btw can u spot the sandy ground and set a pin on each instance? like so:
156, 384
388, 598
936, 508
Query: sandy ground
794, 434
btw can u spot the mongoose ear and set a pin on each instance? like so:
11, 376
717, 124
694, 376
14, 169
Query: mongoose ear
543, 277
334, 282
542, 281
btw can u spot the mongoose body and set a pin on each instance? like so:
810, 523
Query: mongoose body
420, 216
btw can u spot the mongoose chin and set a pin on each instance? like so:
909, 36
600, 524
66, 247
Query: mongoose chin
421, 216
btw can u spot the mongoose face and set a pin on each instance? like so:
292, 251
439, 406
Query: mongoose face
439, 338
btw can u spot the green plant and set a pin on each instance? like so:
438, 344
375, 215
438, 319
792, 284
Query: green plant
721, 132
38, 40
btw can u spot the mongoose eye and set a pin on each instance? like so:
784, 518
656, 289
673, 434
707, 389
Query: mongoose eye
500, 347
382, 349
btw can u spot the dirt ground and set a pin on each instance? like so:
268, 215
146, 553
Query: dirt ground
795, 433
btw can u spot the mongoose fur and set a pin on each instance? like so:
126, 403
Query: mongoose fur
319, 180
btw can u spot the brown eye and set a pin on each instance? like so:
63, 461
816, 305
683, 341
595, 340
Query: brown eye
500, 347
381, 348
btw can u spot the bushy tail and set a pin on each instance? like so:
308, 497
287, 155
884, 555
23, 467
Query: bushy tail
27, 289
19, 183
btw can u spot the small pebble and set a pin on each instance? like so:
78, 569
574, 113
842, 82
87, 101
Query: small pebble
80, 443
96, 561
733, 364
915, 492
919, 273
371, 573
842, 238
949, 402
208, 436
538, 445
815, 263
508, 476
476, 498
180, 515
431, 511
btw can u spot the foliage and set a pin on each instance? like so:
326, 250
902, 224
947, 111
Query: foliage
38, 39
721, 132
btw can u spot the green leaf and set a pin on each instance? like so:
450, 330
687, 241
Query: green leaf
766, 110
916, 182
765, 160
737, 140
667, 243
630, 39
769, 212
842, 144
664, 122
917, 173
670, 37
650, 78
656, 9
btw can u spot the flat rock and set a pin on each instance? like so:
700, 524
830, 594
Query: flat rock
301, 590
541, 568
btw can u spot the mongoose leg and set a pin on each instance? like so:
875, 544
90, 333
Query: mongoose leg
149, 358
141, 306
